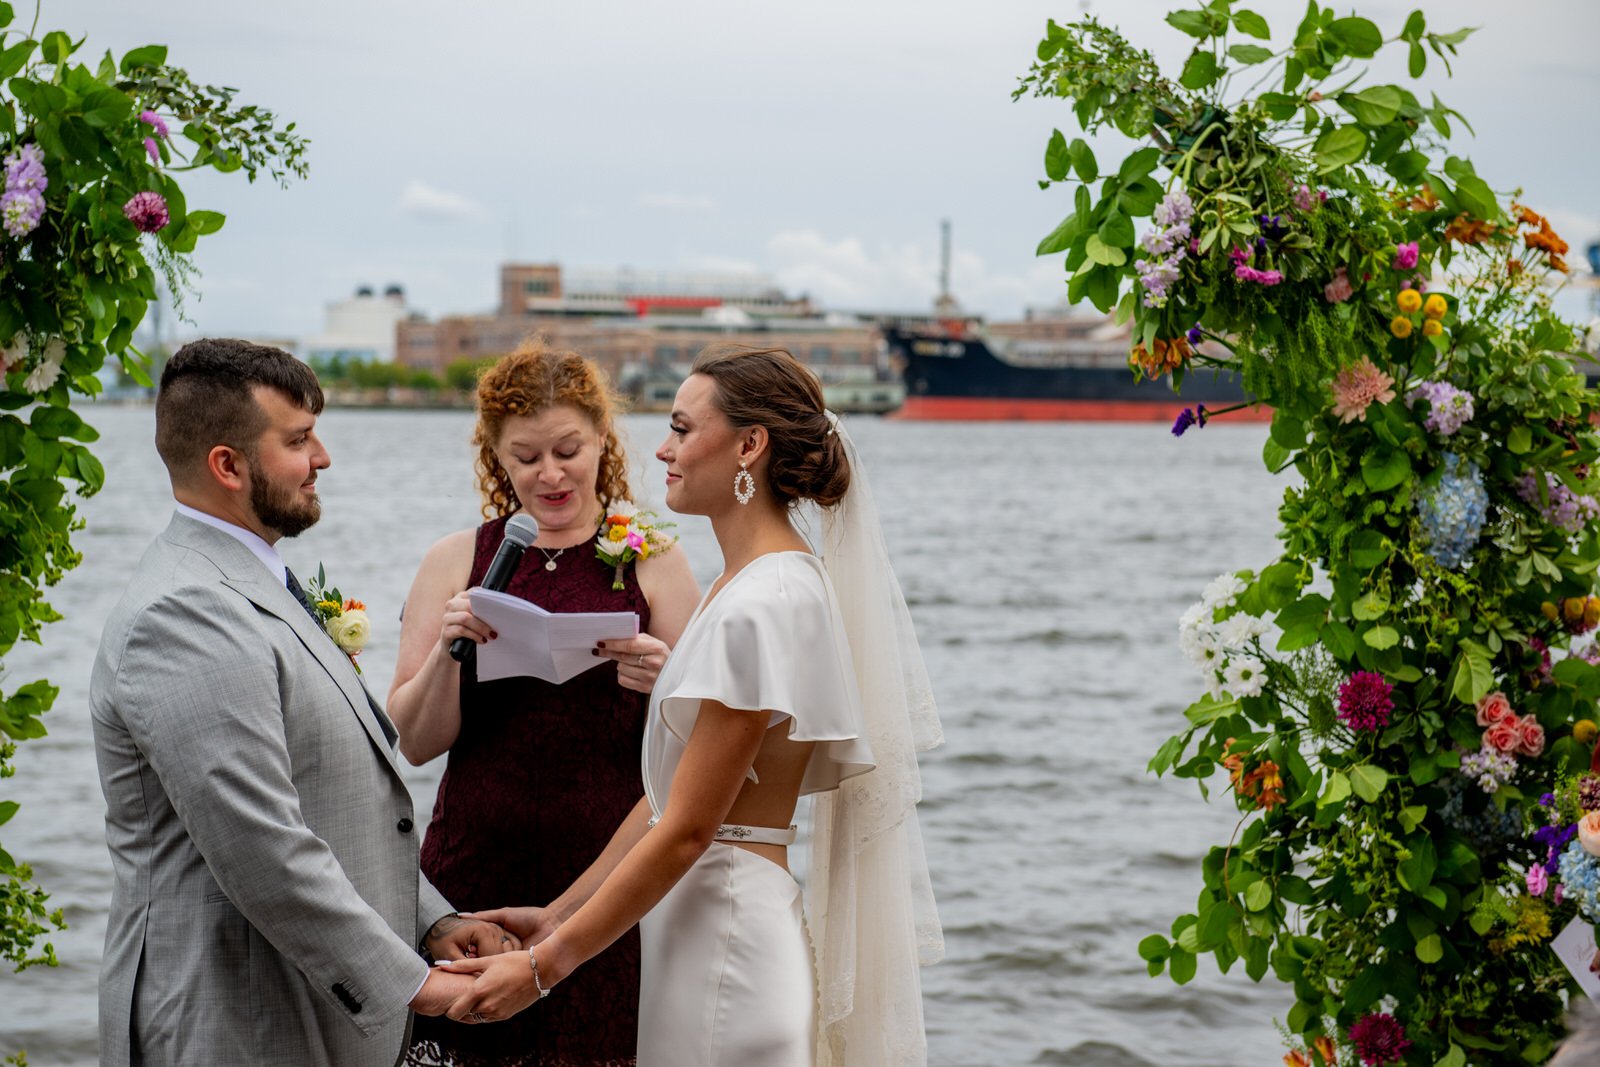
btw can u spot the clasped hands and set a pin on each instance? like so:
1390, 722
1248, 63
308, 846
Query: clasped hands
459, 937
497, 986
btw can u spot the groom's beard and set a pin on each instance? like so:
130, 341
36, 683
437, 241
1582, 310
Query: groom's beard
281, 508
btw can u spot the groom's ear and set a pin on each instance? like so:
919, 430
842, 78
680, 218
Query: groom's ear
227, 467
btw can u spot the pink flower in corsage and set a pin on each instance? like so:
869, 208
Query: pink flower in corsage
1493, 707
628, 537
1538, 880
1405, 256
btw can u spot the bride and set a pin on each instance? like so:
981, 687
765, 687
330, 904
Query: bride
795, 676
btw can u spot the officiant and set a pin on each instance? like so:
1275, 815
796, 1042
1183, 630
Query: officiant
502, 834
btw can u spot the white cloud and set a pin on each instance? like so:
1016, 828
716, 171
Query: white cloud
421, 200
677, 202
846, 273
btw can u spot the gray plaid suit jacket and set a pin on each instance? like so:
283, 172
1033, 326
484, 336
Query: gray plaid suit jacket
267, 903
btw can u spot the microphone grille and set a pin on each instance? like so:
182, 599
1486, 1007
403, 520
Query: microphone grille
522, 530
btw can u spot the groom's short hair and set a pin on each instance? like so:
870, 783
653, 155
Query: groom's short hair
206, 398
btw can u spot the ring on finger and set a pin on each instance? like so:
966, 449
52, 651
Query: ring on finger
641, 660
476, 1017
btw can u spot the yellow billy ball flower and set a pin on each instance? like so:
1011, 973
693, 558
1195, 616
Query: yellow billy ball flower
1409, 300
1435, 307
1400, 326
1584, 731
1432, 328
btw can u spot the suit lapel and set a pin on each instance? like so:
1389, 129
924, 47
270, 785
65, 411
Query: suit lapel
248, 576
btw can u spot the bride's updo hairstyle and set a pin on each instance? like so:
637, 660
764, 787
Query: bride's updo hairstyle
768, 387
530, 379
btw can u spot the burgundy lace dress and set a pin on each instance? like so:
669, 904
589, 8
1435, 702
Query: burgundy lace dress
538, 779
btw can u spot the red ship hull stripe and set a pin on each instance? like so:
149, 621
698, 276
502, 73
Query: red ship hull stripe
1000, 409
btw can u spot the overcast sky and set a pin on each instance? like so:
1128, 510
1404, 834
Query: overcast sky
819, 142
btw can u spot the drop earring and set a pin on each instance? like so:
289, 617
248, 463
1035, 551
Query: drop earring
744, 486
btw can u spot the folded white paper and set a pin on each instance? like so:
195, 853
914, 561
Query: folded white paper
533, 642
1575, 946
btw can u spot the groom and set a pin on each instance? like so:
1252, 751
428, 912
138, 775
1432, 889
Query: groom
267, 906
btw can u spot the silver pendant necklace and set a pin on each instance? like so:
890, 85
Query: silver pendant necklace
549, 557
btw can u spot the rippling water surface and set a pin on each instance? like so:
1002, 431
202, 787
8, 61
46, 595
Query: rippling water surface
1046, 567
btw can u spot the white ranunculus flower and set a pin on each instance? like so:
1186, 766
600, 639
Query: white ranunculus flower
350, 630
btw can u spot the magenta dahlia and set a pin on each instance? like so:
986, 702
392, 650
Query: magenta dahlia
147, 211
1365, 701
1379, 1039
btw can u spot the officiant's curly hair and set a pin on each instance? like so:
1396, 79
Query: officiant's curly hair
531, 379
768, 387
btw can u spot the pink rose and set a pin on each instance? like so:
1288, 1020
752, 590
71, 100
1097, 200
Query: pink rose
1405, 256
1538, 880
1531, 742
1492, 708
1589, 833
1504, 735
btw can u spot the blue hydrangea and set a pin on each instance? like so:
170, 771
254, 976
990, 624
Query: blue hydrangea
1580, 874
1454, 511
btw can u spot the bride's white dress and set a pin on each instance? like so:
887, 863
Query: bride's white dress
728, 975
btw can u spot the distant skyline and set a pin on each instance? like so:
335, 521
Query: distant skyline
821, 145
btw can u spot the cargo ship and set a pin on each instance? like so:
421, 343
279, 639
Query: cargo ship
1055, 364
1070, 369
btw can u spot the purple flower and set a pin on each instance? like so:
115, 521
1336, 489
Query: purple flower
147, 211
1448, 407
25, 170
20, 211
1365, 701
1565, 510
1405, 256
1272, 226
1186, 418
1589, 792
155, 153
1176, 210
1194, 335
159, 124
1379, 1039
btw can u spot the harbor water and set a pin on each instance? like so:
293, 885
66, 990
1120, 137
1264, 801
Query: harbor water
1046, 566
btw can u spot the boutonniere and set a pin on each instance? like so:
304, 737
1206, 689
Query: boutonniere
627, 537
345, 619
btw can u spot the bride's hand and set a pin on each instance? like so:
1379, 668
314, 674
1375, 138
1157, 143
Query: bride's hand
639, 660
502, 986
531, 925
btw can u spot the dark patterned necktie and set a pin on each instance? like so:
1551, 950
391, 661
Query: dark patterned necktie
300, 595
305, 602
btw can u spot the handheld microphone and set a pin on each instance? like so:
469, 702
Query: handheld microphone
521, 532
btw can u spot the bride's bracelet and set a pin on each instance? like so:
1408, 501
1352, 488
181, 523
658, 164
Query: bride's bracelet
543, 992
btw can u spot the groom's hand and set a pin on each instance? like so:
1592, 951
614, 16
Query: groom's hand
441, 990
457, 937
532, 925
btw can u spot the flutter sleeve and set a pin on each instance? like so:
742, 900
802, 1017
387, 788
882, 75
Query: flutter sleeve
774, 641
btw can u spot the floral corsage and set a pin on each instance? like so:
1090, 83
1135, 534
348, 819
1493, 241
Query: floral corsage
345, 619
624, 538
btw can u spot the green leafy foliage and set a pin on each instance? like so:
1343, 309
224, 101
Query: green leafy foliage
73, 287
1437, 565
